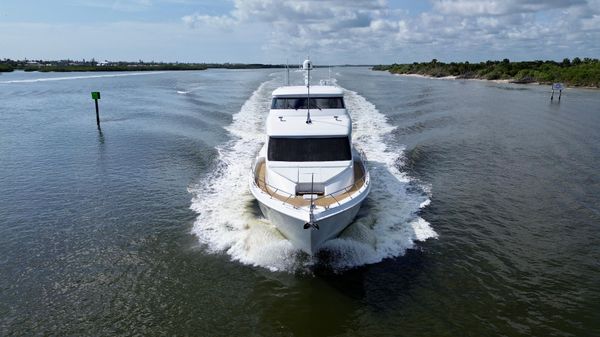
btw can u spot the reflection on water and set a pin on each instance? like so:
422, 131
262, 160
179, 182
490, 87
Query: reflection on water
100, 136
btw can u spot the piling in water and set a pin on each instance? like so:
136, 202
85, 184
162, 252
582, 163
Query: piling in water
96, 97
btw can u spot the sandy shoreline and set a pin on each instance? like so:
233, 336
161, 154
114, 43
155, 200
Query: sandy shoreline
484, 80
457, 78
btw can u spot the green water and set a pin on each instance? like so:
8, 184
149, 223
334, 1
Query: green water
489, 224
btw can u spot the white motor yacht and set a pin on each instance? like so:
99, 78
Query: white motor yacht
308, 178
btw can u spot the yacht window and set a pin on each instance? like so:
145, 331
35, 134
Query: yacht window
300, 103
309, 149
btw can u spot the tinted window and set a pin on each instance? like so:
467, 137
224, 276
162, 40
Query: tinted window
309, 149
300, 103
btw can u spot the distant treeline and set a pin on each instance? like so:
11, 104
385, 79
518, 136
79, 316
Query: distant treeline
574, 72
8, 65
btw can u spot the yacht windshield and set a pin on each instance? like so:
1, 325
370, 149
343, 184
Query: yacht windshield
300, 103
309, 149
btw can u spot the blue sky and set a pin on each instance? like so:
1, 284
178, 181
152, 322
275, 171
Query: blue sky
270, 31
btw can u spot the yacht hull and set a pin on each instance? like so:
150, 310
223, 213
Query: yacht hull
330, 225
309, 240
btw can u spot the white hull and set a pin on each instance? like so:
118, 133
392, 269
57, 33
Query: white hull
290, 220
309, 240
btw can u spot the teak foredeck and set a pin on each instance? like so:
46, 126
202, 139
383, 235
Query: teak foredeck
324, 200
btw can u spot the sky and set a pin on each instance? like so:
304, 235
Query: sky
271, 31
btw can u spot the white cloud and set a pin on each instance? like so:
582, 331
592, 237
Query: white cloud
504, 7
308, 25
369, 31
331, 31
222, 22
592, 23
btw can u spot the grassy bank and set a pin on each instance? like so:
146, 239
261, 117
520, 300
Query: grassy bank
4, 68
577, 72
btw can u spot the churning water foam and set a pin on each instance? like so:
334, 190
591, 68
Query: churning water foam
229, 219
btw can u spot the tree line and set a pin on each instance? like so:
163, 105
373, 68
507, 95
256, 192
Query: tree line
576, 72
8, 65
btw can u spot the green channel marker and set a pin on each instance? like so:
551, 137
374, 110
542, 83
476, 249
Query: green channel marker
96, 97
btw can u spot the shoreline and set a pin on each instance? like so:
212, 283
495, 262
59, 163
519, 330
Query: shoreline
132, 67
506, 81
572, 74
458, 78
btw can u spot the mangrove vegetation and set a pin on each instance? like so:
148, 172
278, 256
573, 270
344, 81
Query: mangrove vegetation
576, 72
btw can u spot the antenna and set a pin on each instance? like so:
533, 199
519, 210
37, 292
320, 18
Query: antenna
287, 73
307, 65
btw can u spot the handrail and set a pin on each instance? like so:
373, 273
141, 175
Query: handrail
360, 181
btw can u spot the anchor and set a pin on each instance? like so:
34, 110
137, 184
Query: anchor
311, 217
311, 222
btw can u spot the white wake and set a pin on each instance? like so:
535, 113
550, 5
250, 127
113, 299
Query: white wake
229, 220
66, 78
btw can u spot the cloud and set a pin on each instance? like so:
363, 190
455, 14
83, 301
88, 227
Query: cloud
592, 23
223, 22
505, 7
339, 31
367, 31
307, 25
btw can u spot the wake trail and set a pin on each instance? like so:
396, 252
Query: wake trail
66, 78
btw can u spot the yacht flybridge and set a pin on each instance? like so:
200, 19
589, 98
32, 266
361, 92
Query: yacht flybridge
308, 178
